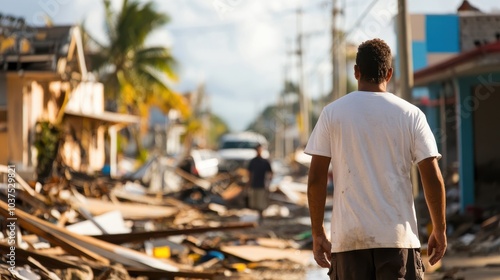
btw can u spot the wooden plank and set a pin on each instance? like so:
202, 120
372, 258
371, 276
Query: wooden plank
256, 254
205, 184
233, 191
137, 198
131, 211
277, 243
142, 236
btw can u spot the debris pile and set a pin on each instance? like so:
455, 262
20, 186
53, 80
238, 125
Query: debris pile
176, 226
477, 238
77, 226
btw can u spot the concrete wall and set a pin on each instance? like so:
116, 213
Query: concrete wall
434, 38
479, 29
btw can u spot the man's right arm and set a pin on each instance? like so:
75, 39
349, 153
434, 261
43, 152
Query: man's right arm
435, 197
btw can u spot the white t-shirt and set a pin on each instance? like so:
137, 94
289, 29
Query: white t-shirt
373, 138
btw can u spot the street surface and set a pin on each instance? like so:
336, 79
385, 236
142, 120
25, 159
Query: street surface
467, 267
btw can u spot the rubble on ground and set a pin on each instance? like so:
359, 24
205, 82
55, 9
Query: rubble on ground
77, 226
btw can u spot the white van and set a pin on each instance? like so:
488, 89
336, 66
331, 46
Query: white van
237, 149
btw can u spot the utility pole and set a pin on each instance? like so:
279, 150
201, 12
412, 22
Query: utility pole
303, 100
404, 53
280, 136
287, 108
334, 52
339, 82
406, 70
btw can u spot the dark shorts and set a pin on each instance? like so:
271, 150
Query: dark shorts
377, 264
258, 198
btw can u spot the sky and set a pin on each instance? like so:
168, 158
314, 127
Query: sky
241, 50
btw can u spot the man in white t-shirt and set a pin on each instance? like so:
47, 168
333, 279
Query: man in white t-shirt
371, 138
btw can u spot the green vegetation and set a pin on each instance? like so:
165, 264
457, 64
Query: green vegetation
47, 145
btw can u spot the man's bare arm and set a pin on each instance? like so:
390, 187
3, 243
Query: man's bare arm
316, 197
435, 197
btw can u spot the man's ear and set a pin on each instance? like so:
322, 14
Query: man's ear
389, 74
357, 74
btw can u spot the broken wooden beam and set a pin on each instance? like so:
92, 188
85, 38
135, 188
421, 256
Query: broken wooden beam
254, 253
143, 236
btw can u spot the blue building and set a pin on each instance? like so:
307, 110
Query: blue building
456, 59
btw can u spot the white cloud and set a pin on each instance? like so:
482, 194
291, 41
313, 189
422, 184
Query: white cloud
256, 40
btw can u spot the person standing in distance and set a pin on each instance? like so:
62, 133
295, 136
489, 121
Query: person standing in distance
371, 138
260, 174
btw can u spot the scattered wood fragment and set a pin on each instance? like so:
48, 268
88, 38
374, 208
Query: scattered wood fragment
491, 223
45, 272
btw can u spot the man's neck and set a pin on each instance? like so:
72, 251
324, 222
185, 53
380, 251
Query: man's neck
363, 86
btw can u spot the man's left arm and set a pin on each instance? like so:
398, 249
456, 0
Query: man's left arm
316, 197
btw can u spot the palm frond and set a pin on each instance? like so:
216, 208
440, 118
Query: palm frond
159, 58
135, 22
134, 75
109, 16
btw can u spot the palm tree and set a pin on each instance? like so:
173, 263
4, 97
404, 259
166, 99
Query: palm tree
135, 76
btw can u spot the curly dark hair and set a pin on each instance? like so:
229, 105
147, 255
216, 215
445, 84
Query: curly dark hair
374, 60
